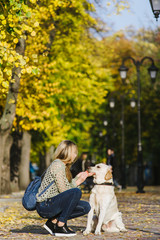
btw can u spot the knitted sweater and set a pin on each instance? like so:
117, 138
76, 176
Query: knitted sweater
55, 181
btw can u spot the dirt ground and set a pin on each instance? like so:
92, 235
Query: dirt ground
140, 213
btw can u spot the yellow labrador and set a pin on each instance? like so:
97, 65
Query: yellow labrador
103, 202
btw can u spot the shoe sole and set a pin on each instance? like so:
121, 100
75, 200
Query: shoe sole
65, 234
48, 229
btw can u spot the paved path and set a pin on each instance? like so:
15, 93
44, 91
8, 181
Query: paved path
141, 215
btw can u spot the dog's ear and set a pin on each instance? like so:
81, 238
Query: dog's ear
108, 175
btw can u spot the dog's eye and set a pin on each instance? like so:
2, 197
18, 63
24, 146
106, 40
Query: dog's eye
98, 167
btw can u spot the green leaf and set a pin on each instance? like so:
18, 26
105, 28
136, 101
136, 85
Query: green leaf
35, 71
28, 14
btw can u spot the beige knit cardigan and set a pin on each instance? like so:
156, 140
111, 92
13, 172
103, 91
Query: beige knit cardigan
54, 181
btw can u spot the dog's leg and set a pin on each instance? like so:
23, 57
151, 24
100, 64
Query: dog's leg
94, 223
119, 223
103, 206
110, 227
90, 215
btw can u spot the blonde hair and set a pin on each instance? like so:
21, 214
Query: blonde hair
67, 152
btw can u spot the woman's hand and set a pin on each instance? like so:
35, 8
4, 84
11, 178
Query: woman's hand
82, 177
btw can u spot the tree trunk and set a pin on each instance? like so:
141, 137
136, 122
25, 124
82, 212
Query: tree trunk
24, 177
49, 156
6, 188
3, 140
7, 118
15, 158
42, 161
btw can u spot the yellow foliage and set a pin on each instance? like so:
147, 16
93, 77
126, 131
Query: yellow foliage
5, 85
58, 77
33, 34
15, 40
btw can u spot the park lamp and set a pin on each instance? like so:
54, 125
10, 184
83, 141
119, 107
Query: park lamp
105, 122
155, 5
153, 72
123, 72
100, 134
112, 103
132, 103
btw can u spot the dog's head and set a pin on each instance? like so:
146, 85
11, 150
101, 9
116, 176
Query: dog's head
102, 173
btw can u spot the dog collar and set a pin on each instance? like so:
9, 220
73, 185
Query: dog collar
105, 183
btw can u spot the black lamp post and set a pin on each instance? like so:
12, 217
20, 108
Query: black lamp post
155, 5
123, 144
112, 136
132, 103
123, 73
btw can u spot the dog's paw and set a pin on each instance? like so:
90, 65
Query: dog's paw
86, 232
123, 230
97, 232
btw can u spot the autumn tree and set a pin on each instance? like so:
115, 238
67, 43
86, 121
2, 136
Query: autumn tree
12, 47
44, 45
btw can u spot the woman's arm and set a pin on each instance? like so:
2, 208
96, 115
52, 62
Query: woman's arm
81, 177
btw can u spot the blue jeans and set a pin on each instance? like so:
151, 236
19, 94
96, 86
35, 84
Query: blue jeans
64, 206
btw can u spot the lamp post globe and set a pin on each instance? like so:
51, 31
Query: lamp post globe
100, 134
105, 122
155, 5
112, 103
123, 72
133, 103
153, 72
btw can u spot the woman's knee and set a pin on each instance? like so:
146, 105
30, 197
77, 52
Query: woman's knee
87, 207
77, 192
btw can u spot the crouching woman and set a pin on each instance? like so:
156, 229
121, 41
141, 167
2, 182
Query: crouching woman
58, 198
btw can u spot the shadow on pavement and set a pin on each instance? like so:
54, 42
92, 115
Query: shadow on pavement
146, 231
77, 228
30, 229
34, 229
